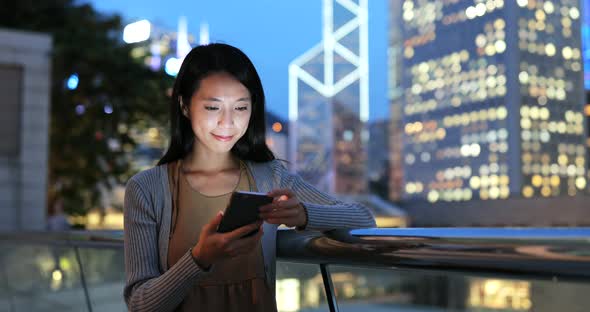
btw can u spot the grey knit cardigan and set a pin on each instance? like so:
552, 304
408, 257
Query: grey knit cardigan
152, 286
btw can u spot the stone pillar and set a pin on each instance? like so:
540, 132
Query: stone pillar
25, 84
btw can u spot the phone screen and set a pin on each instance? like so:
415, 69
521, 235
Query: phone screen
243, 210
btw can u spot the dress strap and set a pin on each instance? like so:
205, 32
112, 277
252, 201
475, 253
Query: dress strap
175, 191
247, 172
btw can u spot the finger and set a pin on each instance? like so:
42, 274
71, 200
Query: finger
211, 227
268, 208
279, 192
241, 231
279, 221
245, 244
281, 198
283, 213
291, 203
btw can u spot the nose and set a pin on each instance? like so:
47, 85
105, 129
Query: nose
226, 119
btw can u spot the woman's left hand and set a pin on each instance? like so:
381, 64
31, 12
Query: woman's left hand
285, 209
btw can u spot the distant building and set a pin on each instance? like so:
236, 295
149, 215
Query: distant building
277, 135
491, 108
328, 102
394, 95
587, 109
25, 84
378, 161
493, 100
162, 48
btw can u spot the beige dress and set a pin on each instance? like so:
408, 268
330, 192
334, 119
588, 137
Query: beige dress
234, 284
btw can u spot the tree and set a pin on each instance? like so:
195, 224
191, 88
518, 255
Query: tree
90, 143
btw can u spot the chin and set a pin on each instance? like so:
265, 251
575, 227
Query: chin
222, 148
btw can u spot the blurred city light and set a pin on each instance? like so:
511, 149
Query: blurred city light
285, 290
57, 275
172, 66
73, 81
183, 47
277, 127
80, 109
204, 34
137, 31
108, 109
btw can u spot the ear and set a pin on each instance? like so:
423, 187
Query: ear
183, 108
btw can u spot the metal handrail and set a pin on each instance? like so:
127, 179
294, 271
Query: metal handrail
535, 252
532, 253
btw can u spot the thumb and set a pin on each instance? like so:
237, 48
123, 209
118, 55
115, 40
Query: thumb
214, 223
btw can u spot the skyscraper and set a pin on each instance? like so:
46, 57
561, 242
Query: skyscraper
492, 103
328, 102
394, 95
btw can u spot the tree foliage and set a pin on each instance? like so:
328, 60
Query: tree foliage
90, 145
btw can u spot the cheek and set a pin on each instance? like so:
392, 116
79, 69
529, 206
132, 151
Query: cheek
201, 125
244, 121
203, 121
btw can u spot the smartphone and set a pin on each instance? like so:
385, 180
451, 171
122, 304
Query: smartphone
242, 210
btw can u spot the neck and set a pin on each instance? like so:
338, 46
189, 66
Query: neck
206, 162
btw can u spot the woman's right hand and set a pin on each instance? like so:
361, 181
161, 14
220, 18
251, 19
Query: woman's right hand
213, 246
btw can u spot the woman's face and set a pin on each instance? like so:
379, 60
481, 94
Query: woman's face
219, 111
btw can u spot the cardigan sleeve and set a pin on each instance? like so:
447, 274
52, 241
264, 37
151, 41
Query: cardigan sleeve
146, 288
324, 212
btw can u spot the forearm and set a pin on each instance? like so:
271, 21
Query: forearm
324, 212
165, 292
341, 215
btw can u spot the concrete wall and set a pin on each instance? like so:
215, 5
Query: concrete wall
25, 71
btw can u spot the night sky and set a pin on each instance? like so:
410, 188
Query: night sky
272, 33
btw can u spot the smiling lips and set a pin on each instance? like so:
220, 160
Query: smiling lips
222, 137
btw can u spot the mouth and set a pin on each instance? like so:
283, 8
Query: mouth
223, 138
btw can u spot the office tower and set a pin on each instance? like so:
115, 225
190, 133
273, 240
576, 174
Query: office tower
378, 148
394, 96
587, 113
492, 103
328, 102
586, 60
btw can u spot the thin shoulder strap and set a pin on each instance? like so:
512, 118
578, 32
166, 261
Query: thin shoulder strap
174, 167
244, 168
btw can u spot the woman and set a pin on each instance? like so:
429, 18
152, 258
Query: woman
174, 258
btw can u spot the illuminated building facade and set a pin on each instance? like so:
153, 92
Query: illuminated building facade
328, 102
492, 100
395, 93
587, 112
586, 58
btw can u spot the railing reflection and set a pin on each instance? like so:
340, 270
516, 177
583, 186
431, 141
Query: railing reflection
369, 270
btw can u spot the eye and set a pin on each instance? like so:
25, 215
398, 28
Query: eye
242, 108
211, 108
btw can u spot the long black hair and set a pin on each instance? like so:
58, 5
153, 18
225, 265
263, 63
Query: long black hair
201, 62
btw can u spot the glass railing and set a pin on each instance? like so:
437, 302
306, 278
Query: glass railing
365, 270
70, 271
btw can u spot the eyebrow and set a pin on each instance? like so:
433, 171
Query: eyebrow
214, 99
